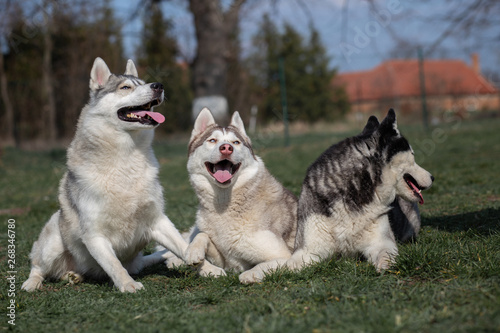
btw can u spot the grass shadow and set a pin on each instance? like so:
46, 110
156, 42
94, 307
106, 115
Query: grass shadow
162, 270
484, 222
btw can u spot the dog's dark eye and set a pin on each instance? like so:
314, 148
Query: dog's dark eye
212, 141
125, 87
236, 142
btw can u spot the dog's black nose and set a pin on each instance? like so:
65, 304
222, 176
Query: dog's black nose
432, 178
157, 86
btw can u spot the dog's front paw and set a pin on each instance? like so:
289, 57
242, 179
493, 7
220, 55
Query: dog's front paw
208, 269
252, 276
32, 284
384, 261
174, 262
131, 287
383, 265
194, 256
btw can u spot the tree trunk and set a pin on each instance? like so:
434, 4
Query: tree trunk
8, 128
49, 104
214, 29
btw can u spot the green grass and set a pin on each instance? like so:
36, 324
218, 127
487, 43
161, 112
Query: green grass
446, 281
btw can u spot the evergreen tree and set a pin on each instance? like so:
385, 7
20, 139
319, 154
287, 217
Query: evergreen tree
262, 66
157, 57
328, 102
310, 95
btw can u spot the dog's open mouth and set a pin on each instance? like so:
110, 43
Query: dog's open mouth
222, 171
142, 114
413, 185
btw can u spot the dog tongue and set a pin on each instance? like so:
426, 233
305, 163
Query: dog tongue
158, 117
221, 173
417, 192
222, 176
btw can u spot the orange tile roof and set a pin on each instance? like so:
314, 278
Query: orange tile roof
400, 78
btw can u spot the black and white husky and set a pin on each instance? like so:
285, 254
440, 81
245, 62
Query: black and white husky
111, 201
347, 196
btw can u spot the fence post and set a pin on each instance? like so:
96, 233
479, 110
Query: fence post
422, 87
283, 100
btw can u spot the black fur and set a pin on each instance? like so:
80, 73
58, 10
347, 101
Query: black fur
397, 146
350, 171
403, 228
371, 126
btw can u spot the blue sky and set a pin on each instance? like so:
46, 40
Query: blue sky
362, 42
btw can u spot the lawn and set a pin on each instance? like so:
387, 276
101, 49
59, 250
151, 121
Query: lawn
446, 281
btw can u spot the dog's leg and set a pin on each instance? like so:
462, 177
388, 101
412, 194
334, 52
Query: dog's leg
259, 272
171, 260
315, 244
102, 251
266, 249
263, 246
379, 245
301, 258
141, 261
208, 269
211, 266
156, 257
47, 256
197, 249
214, 256
35, 279
167, 235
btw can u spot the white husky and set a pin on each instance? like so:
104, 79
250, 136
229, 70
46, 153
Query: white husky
111, 202
245, 216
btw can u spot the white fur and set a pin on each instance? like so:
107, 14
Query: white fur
111, 200
240, 224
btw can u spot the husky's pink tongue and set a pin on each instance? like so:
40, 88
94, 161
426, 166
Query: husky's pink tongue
418, 192
222, 176
158, 117
222, 172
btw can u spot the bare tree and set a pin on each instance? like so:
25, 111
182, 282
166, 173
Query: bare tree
8, 123
49, 103
469, 19
8, 127
215, 30
461, 18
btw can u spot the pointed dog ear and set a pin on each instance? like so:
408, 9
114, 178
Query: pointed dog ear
130, 69
99, 75
237, 122
371, 126
202, 122
389, 125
